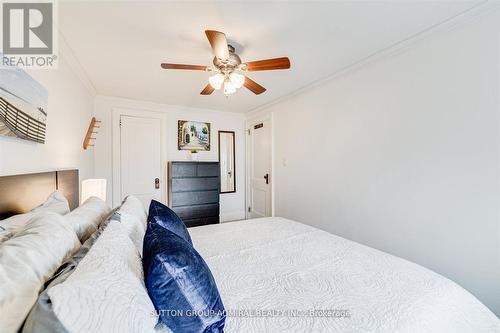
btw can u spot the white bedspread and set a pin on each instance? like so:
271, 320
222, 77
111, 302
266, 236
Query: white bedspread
276, 264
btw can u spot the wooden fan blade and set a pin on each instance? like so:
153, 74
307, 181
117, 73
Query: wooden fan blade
181, 66
207, 90
268, 64
256, 88
218, 42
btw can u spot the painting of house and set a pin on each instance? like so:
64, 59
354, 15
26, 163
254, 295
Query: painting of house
193, 135
23, 105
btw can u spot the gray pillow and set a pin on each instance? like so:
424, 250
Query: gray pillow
41, 318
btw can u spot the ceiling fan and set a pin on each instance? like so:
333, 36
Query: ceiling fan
229, 67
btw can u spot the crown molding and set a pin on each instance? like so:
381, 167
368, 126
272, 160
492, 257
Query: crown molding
76, 67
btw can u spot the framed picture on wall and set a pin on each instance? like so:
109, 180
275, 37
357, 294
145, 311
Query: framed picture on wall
23, 105
193, 135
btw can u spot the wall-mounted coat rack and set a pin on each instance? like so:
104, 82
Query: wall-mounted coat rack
93, 125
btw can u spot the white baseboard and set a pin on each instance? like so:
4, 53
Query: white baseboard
232, 216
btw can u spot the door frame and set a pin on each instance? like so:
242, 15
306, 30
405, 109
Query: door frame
117, 112
248, 146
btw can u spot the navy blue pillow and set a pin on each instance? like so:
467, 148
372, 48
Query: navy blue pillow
180, 284
164, 216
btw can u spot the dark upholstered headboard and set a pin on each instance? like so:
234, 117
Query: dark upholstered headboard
21, 193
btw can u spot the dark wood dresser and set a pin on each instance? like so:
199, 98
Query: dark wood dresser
194, 191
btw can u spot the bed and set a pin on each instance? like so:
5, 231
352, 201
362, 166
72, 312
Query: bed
277, 275
282, 267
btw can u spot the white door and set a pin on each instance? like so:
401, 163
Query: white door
260, 170
140, 158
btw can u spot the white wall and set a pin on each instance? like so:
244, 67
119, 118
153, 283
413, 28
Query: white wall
402, 154
70, 108
232, 205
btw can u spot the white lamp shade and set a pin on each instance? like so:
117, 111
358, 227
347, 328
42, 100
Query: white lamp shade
216, 81
93, 188
237, 79
229, 88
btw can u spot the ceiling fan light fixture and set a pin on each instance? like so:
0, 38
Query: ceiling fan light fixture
229, 88
229, 70
237, 79
216, 81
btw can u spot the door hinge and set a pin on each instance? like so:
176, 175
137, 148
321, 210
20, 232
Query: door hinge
248, 131
120, 123
249, 209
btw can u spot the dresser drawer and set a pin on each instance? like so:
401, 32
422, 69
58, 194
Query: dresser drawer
199, 211
202, 221
180, 170
208, 170
194, 198
190, 169
194, 184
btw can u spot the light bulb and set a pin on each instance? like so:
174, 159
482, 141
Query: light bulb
229, 88
216, 81
237, 79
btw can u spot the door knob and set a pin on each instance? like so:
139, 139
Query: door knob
266, 177
157, 183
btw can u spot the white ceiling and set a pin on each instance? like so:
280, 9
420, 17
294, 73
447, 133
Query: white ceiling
120, 45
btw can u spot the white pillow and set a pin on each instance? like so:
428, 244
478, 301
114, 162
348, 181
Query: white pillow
106, 292
55, 203
4, 234
27, 260
134, 207
133, 217
16, 222
86, 218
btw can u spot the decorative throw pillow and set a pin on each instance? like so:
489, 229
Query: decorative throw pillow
164, 216
27, 260
178, 279
85, 219
106, 292
55, 203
